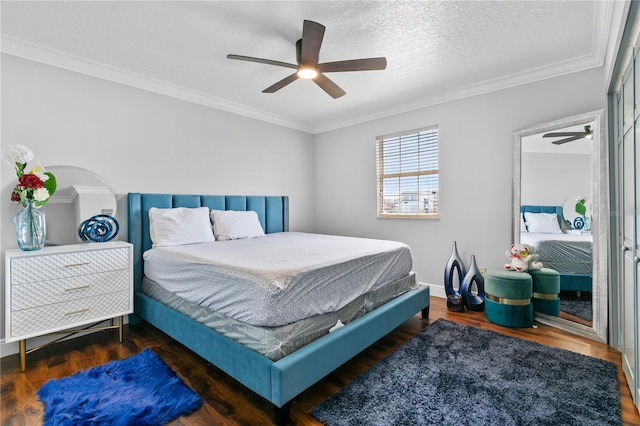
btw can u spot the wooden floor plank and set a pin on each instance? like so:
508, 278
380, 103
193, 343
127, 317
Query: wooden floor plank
226, 401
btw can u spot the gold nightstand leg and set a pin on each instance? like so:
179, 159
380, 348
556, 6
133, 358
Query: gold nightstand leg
120, 328
23, 355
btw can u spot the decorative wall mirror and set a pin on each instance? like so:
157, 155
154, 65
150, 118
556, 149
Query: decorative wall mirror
80, 194
568, 179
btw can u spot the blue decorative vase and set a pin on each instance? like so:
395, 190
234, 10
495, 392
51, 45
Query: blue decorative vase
100, 228
454, 267
474, 302
31, 227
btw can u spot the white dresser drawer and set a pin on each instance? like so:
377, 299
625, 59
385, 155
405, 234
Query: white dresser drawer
64, 265
71, 313
41, 293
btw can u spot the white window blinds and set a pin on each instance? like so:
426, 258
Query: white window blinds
408, 178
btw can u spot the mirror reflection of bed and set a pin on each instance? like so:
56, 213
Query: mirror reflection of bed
560, 180
554, 176
565, 249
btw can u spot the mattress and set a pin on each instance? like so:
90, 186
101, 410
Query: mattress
280, 278
277, 342
565, 253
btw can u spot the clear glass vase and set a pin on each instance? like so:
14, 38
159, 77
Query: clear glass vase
31, 227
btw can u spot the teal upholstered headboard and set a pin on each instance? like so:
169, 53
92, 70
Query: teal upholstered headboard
273, 212
557, 210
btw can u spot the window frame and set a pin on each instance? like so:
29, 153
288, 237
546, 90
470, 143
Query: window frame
422, 171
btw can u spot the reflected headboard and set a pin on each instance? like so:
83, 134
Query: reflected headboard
544, 209
273, 213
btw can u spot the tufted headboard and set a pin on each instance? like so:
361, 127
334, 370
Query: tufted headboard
544, 209
273, 212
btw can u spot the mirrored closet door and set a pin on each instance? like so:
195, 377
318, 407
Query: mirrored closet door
626, 217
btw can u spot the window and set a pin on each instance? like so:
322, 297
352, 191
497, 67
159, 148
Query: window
408, 177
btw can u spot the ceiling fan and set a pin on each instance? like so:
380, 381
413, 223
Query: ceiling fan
307, 66
570, 136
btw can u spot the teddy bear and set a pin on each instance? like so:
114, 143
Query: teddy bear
523, 258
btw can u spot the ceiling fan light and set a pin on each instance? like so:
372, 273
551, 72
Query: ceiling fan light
307, 72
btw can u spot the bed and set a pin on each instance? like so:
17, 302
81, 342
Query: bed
282, 378
568, 252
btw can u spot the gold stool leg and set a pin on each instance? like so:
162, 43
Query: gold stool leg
23, 355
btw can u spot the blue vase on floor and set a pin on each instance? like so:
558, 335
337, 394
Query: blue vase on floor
454, 267
474, 302
31, 227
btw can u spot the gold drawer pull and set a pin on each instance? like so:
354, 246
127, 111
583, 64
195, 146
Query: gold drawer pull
76, 264
77, 288
79, 311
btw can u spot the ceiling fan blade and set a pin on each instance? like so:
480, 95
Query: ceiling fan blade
354, 65
329, 86
312, 34
561, 141
280, 84
560, 134
262, 61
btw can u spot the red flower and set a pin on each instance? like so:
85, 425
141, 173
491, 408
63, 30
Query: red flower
30, 181
15, 196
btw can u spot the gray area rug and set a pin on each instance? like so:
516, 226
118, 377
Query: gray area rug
578, 308
451, 374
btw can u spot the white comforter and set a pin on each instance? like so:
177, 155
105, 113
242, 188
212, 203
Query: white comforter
280, 278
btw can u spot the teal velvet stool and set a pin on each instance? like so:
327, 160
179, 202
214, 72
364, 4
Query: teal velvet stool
508, 298
546, 286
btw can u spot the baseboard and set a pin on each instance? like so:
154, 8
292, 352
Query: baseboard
436, 290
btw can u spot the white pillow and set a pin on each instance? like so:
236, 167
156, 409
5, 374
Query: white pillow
232, 225
523, 225
546, 223
178, 226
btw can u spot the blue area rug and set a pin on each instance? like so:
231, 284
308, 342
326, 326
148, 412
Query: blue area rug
452, 374
139, 390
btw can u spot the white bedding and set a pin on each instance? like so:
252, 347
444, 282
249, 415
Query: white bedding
279, 278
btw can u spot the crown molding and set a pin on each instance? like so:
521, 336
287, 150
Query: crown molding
38, 53
604, 15
608, 23
558, 69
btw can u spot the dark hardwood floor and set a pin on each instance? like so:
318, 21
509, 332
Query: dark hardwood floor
226, 401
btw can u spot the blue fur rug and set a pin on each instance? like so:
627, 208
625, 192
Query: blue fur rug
139, 390
452, 374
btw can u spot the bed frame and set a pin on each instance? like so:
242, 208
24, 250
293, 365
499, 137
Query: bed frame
568, 282
276, 381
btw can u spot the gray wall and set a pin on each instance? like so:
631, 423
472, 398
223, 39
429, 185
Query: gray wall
144, 142
475, 171
549, 179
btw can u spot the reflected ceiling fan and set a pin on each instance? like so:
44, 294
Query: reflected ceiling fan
307, 66
570, 136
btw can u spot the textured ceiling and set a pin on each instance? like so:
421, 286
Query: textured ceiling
436, 50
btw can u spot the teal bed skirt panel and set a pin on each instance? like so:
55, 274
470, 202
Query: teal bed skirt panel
283, 380
575, 282
292, 374
245, 365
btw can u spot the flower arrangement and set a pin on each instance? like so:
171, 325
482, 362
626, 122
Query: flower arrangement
35, 185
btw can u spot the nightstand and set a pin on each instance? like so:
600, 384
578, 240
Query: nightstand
61, 289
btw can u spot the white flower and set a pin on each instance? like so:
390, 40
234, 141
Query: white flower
17, 154
41, 194
39, 171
